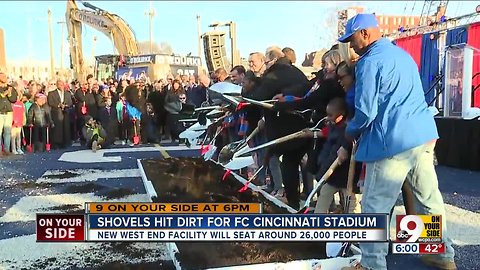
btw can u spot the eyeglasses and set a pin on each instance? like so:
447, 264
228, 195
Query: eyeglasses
183, 98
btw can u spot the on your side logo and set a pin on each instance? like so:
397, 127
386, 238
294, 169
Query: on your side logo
419, 228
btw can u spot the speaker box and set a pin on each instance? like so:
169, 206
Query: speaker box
215, 51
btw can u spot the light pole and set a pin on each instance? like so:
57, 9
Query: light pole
94, 43
61, 46
150, 15
50, 35
199, 37
232, 32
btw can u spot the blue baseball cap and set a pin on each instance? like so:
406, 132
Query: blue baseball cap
357, 23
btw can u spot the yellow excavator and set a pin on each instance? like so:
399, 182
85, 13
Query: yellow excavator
111, 25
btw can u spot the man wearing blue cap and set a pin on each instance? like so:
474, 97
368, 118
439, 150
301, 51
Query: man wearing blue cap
396, 132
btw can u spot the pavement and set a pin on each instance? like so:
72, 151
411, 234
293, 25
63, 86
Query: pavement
62, 181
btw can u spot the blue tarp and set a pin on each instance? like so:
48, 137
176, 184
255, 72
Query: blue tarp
429, 64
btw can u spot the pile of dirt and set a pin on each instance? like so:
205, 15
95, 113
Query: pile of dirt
194, 180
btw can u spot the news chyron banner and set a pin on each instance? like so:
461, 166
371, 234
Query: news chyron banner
418, 234
172, 222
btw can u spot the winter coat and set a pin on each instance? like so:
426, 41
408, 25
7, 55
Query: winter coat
328, 154
19, 118
281, 78
39, 116
7, 100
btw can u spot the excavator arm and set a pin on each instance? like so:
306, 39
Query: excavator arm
114, 27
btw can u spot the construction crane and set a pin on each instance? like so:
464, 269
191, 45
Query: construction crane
114, 27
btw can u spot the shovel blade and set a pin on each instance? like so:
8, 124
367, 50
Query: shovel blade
240, 163
136, 140
199, 127
29, 148
333, 249
47, 147
191, 134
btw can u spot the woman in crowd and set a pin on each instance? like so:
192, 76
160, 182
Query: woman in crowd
173, 106
324, 89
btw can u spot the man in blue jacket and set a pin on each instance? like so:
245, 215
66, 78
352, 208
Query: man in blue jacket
396, 132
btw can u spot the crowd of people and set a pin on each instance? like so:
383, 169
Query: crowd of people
370, 99
37, 116
367, 99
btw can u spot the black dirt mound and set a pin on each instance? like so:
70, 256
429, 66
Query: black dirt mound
194, 180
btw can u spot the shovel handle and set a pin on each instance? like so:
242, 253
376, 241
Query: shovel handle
245, 143
254, 175
259, 103
254, 132
31, 128
351, 170
276, 141
324, 178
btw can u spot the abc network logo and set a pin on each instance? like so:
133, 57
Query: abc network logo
409, 228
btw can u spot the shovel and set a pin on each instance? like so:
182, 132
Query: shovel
190, 135
240, 163
259, 103
227, 152
323, 180
24, 140
351, 175
344, 249
292, 136
209, 150
245, 187
47, 145
136, 138
207, 108
29, 146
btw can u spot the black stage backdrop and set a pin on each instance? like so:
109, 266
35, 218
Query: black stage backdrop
459, 143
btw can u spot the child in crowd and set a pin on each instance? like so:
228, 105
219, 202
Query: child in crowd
94, 134
123, 120
38, 120
336, 116
19, 120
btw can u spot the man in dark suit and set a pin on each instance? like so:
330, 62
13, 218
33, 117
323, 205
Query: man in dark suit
196, 94
59, 101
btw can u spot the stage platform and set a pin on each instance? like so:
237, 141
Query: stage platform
459, 143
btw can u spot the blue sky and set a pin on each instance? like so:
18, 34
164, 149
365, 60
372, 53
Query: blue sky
300, 25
